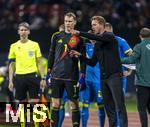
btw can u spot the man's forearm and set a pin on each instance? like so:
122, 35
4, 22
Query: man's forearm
106, 37
41, 67
90, 36
11, 71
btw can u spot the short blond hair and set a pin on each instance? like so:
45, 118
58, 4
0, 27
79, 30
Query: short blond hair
71, 14
100, 19
24, 24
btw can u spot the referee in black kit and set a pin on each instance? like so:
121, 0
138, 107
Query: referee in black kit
107, 54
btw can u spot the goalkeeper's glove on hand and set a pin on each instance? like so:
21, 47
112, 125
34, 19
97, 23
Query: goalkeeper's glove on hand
48, 77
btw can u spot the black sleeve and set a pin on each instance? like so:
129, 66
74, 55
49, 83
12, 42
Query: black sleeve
51, 55
104, 38
83, 52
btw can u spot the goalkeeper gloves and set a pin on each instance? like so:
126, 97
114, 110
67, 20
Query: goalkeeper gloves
48, 77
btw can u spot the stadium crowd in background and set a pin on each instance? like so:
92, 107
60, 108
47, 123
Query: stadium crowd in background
49, 13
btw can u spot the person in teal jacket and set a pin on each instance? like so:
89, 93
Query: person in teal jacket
141, 57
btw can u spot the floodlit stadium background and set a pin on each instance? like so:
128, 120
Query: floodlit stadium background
44, 16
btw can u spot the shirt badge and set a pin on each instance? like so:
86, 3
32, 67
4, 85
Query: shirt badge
31, 53
148, 46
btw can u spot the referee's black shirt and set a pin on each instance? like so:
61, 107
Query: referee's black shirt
106, 53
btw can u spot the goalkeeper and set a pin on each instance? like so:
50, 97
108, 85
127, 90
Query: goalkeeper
64, 69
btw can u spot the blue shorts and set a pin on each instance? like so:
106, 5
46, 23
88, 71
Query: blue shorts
91, 93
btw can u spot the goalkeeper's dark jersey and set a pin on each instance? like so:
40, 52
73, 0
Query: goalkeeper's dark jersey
61, 64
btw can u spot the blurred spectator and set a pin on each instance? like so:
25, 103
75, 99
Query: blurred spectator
49, 13
36, 21
3, 96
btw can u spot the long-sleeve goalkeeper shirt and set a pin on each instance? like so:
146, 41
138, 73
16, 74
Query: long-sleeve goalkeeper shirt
63, 66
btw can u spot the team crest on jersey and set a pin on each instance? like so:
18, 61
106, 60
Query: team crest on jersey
148, 46
31, 53
74, 40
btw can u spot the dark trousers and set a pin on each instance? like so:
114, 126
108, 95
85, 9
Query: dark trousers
143, 97
112, 91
